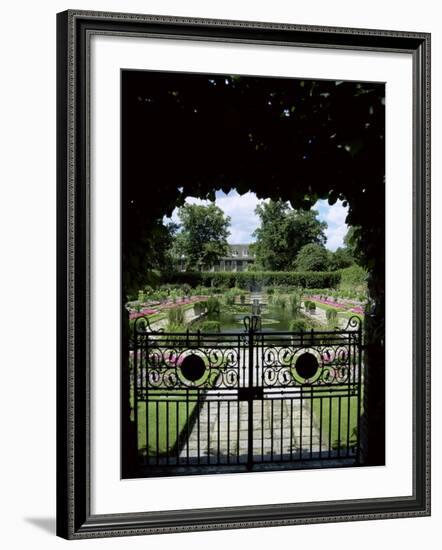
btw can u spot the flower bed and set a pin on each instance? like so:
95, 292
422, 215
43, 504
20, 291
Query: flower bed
340, 306
183, 302
142, 313
159, 308
327, 302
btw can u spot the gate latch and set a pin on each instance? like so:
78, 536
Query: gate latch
246, 394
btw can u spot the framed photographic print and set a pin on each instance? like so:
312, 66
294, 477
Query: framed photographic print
243, 274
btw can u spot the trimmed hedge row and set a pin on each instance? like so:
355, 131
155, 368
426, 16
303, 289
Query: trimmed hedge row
250, 279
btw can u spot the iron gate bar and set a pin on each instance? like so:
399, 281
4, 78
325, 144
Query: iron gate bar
250, 397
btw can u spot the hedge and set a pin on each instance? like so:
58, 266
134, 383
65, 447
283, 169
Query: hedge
296, 325
309, 305
331, 314
250, 279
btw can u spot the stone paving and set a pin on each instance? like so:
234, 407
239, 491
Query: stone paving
281, 430
320, 316
189, 317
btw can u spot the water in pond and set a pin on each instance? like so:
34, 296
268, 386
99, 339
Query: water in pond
272, 318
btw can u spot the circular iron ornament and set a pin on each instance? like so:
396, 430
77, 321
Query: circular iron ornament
307, 365
193, 367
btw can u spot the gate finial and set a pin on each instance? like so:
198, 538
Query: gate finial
354, 323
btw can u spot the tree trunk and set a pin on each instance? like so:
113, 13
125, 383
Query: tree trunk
128, 429
373, 420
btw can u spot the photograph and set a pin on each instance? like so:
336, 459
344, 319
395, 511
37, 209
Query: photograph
252, 273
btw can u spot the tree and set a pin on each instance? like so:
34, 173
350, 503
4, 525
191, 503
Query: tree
283, 232
203, 236
352, 242
312, 257
150, 253
340, 259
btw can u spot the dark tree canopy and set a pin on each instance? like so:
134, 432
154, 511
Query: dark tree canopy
287, 139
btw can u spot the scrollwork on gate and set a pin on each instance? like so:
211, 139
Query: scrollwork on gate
175, 368
336, 365
164, 361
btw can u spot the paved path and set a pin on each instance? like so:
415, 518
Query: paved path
320, 316
281, 429
189, 317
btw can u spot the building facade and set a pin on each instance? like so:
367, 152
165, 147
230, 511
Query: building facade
239, 258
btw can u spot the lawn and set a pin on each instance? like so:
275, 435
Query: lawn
166, 419
340, 426
342, 312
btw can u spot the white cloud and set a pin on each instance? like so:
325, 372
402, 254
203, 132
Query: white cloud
335, 237
334, 215
241, 209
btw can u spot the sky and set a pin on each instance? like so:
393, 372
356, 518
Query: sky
244, 221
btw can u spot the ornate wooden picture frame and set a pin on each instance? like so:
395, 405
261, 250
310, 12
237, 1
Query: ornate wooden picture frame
76, 516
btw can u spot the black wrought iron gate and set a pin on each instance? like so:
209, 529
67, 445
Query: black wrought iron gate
247, 399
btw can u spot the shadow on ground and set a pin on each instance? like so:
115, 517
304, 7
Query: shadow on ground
46, 524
